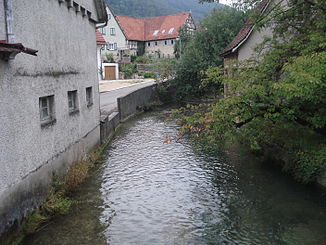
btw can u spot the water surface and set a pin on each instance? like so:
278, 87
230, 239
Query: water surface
152, 191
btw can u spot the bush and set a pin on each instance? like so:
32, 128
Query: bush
142, 60
133, 58
149, 75
128, 70
109, 57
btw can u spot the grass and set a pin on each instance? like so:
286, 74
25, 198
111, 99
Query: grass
58, 201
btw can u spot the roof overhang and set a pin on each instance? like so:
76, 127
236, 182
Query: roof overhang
102, 16
229, 51
9, 51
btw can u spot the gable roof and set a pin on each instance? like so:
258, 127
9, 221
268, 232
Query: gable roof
153, 28
245, 31
99, 38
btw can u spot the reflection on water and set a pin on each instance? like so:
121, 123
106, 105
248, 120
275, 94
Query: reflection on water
169, 193
156, 193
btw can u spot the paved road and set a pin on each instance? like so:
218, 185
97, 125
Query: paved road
108, 100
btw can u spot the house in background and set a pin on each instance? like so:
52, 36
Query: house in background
49, 103
117, 43
243, 45
101, 44
155, 36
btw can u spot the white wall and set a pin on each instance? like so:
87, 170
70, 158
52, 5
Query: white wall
66, 61
246, 51
2, 22
119, 38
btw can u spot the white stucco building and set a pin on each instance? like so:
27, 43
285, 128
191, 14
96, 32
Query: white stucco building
117, 43
49, 103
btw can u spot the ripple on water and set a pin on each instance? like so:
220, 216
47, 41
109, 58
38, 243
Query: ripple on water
156, 193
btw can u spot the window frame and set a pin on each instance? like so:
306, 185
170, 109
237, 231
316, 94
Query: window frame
112, 31
49, 107
103, 30
89, 96
73, 98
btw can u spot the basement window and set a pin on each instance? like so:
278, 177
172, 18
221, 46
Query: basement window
47, 112
89, 96
72, 102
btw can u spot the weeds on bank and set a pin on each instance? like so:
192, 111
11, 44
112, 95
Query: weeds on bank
59, 200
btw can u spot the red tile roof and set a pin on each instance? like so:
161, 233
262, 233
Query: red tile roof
154, 28
99, 38
245, 31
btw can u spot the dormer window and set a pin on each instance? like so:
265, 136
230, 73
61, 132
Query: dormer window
156, 32
171, 30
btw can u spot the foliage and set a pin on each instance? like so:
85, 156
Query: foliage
202, 52
149, 75
128, 70
77, 174
183, 40
143, 60
109, 57
164, 69
275, 103
58, 201
133, 58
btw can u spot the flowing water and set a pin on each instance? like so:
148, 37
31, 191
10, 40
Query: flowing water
155, 191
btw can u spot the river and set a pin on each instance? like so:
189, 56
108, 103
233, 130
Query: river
151, 190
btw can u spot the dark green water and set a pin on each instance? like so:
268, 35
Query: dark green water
149, 192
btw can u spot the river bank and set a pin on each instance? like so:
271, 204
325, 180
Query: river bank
299, 155
153, 191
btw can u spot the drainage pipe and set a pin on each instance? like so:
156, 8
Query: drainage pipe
9, 21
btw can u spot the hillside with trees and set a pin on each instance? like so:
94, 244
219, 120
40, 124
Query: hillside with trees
150, 8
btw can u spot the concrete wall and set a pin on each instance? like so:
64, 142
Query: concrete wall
29, 152
109, 123
166, 50
129, 104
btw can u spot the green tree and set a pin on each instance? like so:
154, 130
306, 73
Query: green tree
276, 103
202, 51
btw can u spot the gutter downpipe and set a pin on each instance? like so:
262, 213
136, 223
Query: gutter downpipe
9, 21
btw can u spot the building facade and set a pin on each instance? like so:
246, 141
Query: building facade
49, 103
117, 43
155, 36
